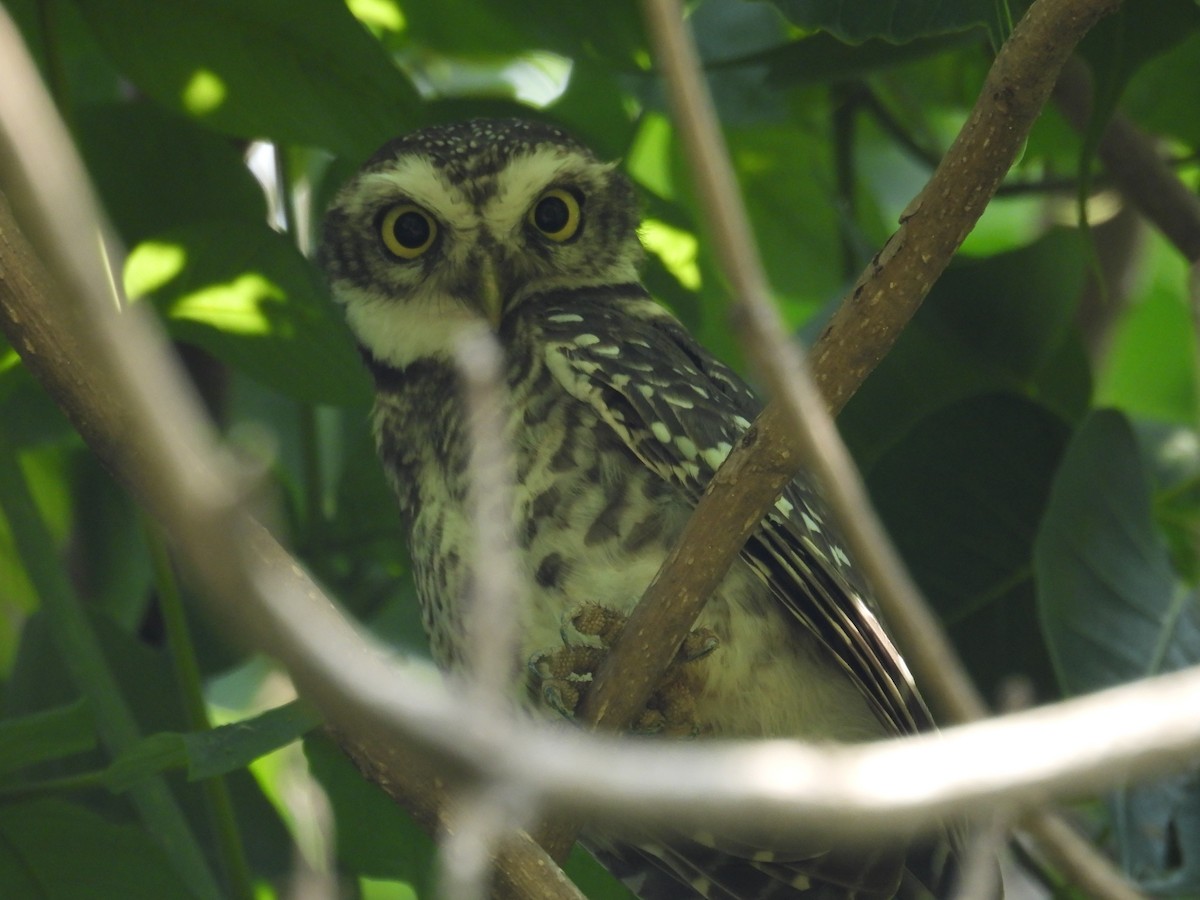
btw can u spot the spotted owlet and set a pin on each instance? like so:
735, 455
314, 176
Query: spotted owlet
617, 420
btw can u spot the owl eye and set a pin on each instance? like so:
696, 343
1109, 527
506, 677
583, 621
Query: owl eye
557, 215
407, 230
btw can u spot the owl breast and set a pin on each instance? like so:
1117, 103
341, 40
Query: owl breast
591, 524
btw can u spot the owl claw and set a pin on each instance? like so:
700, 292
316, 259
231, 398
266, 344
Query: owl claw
561, 696
698, 644
562, 676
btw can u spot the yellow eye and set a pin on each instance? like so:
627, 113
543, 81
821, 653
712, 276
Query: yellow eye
557, 215
407, 230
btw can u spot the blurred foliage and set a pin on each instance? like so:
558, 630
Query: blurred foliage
1031, 442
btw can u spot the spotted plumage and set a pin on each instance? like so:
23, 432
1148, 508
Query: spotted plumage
617, 420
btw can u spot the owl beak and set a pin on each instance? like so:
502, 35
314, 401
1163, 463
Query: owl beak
490, 295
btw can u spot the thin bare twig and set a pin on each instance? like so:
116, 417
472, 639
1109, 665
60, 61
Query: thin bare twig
1133, 160
495, 583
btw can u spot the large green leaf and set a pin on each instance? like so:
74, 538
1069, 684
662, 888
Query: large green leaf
987, 325
822, 59
303, 73
1112, 610
962, 494
1120, 44
571, 29
1111, 607
246, 295
156, 170
1165, 93
53, 850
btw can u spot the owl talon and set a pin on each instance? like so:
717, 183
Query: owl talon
561, 696
592, 620
698, 644
562, 676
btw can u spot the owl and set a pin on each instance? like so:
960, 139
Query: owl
617, 418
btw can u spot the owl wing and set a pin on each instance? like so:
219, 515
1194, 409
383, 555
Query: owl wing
679, 410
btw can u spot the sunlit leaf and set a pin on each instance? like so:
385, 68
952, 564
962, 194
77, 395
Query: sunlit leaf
244, 294
218, 751
256, 69
1152, 368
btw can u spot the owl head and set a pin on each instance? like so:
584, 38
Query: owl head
460, 224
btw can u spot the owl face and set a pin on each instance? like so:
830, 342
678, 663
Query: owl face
461, 224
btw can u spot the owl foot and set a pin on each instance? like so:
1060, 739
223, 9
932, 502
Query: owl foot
563, 675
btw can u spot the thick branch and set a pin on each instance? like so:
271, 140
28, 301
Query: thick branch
934, 225
860, 334
864, 328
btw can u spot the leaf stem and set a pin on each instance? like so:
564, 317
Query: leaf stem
191, 689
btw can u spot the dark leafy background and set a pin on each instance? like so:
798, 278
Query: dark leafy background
1031, 442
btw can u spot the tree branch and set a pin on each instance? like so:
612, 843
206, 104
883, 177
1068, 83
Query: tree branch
794, 429
1130, 156
864, 328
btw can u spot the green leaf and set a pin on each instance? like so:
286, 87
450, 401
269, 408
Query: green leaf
146, 680
596, 882
375, 837
82, 655
822, 59
1152, 368
152, 755
246, 295
1111, 607
854, 21
1120, 44
136, 153
1112, 611
236, 745
51, 734
53, 850
794, 222
987, 325
218, 751
258, 69
962, 495
1165, 92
